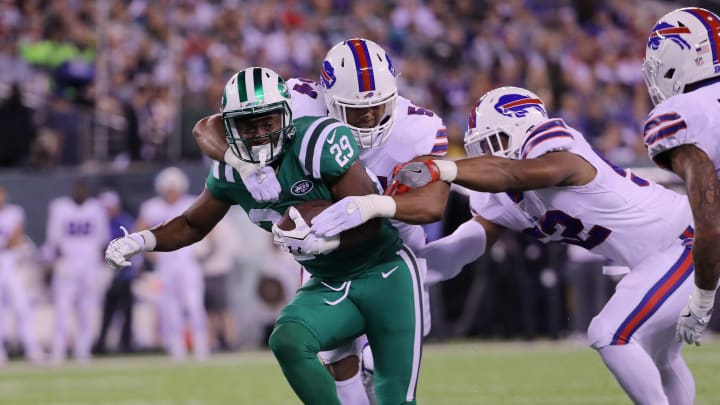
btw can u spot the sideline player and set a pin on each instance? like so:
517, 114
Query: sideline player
682, 134
358, 88
180, 275
372, 286
541, 177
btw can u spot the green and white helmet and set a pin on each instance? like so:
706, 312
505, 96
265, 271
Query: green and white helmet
254, 92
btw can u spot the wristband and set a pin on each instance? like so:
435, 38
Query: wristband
374, 206
447, 169
702, 301
145, 239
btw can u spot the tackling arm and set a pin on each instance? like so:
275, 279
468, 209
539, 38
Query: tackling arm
703, 189
210, 137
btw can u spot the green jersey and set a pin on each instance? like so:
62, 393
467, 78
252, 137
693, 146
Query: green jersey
322, 150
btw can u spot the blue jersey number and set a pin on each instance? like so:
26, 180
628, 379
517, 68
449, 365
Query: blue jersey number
553, 221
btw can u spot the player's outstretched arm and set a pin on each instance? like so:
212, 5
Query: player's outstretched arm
447, 256
183, 230
703, 190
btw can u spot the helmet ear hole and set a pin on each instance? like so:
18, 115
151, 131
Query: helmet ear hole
670, 73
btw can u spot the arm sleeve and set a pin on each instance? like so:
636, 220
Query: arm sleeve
447, 256
665, 129
328, 150
549, 136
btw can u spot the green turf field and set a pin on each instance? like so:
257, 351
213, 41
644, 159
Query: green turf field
458, 373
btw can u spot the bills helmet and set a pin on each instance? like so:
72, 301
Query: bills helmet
254, 92
500, 121
683, 48
357, 73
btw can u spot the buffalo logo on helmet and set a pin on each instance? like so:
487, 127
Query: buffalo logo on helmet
301, 187
663, 30
518, 105
327, 75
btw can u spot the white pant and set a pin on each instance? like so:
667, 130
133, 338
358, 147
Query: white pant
182, 290
646, 303
75, 289
13, 292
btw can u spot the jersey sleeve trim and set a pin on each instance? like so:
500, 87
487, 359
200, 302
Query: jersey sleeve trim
312, 145
661, 127
224, 172
440, 147
554, 129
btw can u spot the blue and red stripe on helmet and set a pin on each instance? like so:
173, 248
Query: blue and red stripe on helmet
363, 64
711, 23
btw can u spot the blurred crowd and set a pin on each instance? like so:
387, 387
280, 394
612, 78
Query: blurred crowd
124, 80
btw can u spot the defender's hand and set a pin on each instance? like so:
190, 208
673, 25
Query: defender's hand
416, 174
691, 325
120, 250
301, 242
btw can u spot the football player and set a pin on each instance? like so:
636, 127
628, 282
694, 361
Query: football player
181, 279
77, 230
682, 134
358, 86
371, 287
541, 177
12, 291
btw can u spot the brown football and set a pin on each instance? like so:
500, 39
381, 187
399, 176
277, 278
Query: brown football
310, 209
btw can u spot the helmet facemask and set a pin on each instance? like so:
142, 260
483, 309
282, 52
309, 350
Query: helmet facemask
357, 73
492, 141
252, 94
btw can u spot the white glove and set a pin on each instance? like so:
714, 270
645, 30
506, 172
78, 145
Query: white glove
120, 250
260, 180
695, 316
352, 211
301, 242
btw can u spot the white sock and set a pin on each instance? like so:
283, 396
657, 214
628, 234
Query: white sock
678, 382
636, 373
352, 391
369, 383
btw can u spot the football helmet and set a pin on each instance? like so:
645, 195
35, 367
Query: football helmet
683, 48
500, 121
253, 92
357, 73
171, 178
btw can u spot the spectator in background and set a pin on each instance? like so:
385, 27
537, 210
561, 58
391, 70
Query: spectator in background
217, 254
77, 229
12, 290
18, 129
119, 297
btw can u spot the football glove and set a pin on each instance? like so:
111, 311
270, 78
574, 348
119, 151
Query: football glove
695, 316
416, 174
301, 242
352, 211
120, 250
260, 180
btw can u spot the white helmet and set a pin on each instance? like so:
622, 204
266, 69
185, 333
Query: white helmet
357, 73
252, 92
171, 178
500, 121
683, 48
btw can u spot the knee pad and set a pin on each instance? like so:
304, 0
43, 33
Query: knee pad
290, 341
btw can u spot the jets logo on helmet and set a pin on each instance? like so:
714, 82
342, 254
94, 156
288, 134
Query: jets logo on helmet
517, 105
327, 75
663, 31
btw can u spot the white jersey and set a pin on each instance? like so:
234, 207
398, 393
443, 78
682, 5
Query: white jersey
686, 119
617, 215
11, 217
79, 231
416, 132
156, 211
306, 98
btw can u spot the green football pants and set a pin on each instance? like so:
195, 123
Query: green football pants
385, 303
